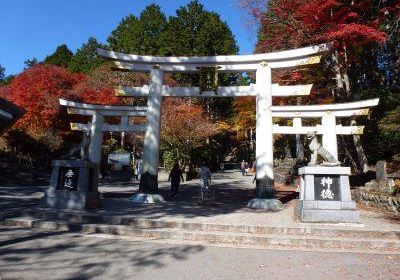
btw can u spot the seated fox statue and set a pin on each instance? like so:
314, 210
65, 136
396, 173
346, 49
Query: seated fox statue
318, 150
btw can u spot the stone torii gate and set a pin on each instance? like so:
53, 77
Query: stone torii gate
261, 64
328, 115
98, 125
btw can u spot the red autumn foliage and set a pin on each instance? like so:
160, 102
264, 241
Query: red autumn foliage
295, 23
38, 90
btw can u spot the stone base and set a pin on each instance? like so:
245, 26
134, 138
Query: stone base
148, 183
82, 191
146, 198
71, 201
265, 188
325, 196
326, 212
267, 204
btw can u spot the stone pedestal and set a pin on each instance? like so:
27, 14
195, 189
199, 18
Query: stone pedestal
325, 195
73, 186
265, 196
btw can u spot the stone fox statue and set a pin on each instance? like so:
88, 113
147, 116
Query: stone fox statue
317, 150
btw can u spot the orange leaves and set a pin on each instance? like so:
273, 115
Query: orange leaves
185, 126
244, 113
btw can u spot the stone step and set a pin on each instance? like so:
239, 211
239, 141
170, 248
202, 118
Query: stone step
309, 230
266, 241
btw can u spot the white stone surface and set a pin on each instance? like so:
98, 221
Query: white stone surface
337, 170
212, 60
235, 63
110, 127
329, 139
151, 146
318, 129
145, 198
87, 106
231, 91
96, 138
264, 136
266, 204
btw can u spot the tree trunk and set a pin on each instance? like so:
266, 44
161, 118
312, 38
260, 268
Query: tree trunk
338, 75
362, 159
348, 154
344, 87
299, 142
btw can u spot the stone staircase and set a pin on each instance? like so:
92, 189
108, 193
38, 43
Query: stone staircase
310, 237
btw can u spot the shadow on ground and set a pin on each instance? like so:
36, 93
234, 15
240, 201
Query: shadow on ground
57, 254
232, 193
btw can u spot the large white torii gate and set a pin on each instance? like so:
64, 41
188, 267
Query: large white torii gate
263, 89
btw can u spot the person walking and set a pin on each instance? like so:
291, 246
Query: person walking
139, 169
242, 167
175, 177
205, 176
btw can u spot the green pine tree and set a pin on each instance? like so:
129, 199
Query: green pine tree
195, 31
139, 35
61, 57
85, 58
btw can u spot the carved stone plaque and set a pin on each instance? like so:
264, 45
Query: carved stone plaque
327, 187
68, 179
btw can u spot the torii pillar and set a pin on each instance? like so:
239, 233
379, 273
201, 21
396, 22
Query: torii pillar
148, 187
265, 190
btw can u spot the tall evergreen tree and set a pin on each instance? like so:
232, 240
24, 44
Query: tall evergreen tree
140, 35
61, 57
124, 37
85, 58
195, 31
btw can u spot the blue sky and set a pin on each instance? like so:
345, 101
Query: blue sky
34, 28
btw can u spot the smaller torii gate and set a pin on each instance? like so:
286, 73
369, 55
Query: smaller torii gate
98, 125
328, 114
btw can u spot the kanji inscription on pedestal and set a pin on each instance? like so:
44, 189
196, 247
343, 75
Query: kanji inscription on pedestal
327, 187
68, 179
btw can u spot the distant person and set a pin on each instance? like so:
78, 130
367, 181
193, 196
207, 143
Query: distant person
205, 176
139, 169
221, 166
253, 166
134, 170
175, 177
246, 169
243, 167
